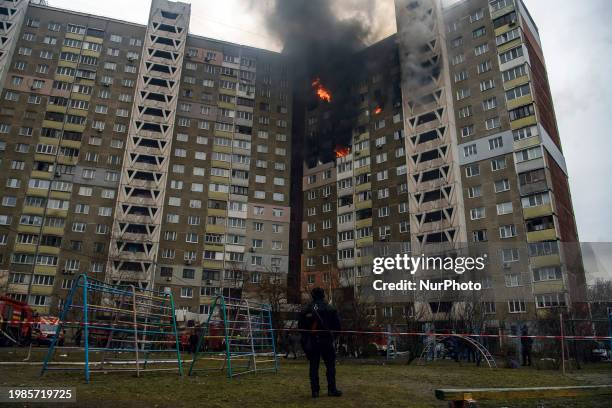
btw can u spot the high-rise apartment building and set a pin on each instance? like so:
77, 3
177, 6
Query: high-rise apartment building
149, 156
139, 154
467, 160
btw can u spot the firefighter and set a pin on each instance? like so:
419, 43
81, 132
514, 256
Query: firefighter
318, 323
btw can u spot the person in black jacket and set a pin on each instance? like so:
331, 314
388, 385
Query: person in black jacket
318, 323
526, 345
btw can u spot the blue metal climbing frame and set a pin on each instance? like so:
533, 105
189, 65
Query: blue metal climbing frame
121, 326
239, 335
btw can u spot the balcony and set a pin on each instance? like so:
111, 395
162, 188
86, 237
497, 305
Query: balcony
212, 264
215, 228
537, 187
364, 242
45, 269
361, 170
363, 204
537, 211
213, 247
552, 286
549, 234
523, 100
363, 187
498, 12
42, 290
367, 222
545, 260
523, 122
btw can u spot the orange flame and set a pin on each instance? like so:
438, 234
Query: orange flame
342, 151
322, 92
377, 110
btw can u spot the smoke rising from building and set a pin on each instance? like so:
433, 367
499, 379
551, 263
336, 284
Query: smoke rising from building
322, 48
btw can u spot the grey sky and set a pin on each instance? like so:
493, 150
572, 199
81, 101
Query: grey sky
577, 41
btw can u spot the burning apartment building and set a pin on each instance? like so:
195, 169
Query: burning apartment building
148, 155
454, 150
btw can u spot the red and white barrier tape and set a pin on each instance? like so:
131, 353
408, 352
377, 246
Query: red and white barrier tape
375, 333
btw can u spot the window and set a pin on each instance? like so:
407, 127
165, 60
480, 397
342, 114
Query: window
11, 96
13, 183
505, 19
512, 280
511, 55
105, 211
477, 213
507, 231
186, 292
498, 164
522, 112
465, 111
39, 300
479, 32
489, 104
528, 154
502, 185
524, 133
9, 201
543, 248
78, 226
547, 273
483, 67
479, 235
500, 4
24, 51
477, 15
535, 200
496, 143
487, 84
516, 306
469, 150
518, 92
504, 208
481, 49
550, 300
458, 59
456, 42
492, 123
474, 191
514, 73
463, 93
472, 170
509, 255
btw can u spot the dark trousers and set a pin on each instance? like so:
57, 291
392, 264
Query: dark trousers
526, 355
322, 350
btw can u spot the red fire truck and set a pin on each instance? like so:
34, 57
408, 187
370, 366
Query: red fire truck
20, 325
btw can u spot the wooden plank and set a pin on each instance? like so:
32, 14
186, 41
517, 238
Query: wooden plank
456, 394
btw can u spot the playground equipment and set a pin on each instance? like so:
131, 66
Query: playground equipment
121, 327
430, 348
239, 335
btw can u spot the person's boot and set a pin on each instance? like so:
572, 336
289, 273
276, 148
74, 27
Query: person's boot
334, 393
315, 394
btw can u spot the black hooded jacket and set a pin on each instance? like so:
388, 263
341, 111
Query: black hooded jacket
319, 320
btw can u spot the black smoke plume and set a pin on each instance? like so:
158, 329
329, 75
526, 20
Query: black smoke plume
319, 44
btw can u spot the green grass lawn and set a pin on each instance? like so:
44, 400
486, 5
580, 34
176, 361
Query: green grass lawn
365, 384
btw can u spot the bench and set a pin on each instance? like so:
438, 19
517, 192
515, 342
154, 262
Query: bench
468, 396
